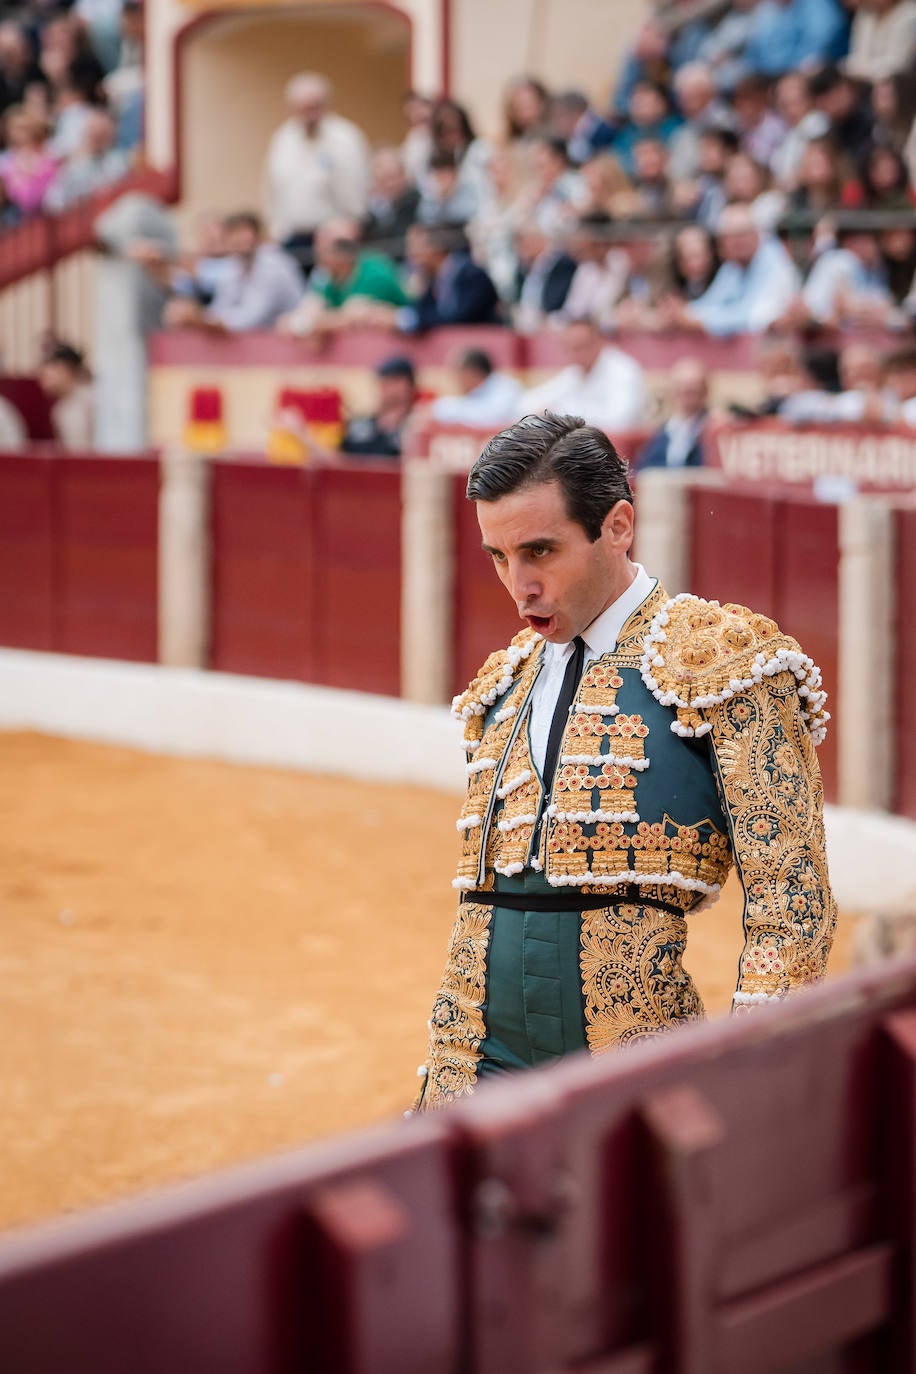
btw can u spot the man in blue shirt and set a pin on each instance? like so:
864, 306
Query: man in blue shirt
751, 289
788, 34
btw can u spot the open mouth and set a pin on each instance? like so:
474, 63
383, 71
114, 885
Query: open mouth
544, 624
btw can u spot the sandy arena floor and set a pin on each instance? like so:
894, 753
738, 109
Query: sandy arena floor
197, 968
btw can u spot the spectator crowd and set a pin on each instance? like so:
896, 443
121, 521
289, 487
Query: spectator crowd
752, 173
71, 101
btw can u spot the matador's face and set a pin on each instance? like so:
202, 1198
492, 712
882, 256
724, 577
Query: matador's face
558, 578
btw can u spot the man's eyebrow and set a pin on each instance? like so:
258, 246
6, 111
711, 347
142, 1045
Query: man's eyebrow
548, 541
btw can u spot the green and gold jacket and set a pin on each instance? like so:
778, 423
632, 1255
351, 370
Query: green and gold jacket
689, 748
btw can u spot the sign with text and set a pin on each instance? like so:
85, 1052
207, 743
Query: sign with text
868, 458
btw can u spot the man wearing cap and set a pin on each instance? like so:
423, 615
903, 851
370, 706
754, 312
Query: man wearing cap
623, 752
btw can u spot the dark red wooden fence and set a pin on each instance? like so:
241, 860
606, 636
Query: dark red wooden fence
779, 556
738, 1196
307, 573
905, 695
79, 555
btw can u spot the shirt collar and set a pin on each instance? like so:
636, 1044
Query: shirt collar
602, 635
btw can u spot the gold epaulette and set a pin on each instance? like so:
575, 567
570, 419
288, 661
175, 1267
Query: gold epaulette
497, 675
698, 654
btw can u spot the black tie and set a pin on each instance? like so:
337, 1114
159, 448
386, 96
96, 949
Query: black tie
561, 710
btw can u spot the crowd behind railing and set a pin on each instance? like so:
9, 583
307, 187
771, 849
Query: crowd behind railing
753, 173
71, 102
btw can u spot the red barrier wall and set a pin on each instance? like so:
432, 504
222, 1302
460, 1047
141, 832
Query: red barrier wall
484, 618
306, 573
780, 557
188, 348
905, 694
740, 1196
78, 555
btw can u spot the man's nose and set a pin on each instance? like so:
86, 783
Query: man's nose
523, 584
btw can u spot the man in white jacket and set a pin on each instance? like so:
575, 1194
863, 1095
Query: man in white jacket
601, 383
317, 165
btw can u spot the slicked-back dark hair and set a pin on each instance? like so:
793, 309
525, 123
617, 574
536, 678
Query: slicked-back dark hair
554, 448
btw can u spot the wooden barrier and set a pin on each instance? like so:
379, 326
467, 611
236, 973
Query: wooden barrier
905, 666
78, 555
781, 557
306, 573
740, 1195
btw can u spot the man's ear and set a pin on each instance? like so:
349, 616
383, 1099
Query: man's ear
617, 526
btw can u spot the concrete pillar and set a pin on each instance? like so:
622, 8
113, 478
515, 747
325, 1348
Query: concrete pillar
663, 522
865, 719
184, 559
426, 582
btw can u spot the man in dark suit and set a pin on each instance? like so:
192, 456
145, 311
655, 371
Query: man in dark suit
455, 289
583, 131
679, 442
545, 273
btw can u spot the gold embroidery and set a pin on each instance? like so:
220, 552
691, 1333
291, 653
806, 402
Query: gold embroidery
773, 795
633, 981
457, 1025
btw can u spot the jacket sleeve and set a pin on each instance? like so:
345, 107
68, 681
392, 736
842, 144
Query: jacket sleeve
770, 784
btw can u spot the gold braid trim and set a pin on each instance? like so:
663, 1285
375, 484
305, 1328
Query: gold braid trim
457, 1026
771, 785
699, 655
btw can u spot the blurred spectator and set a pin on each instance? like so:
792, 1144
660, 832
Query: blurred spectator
575, 123
393, 203
883, 182
124, 85
14, 436
838, 97
96, 164
604, 187
344, 279
602, 384
900, 369
723, 49
380, 434
417, 145
65, 379
679, 442
847, 284
707, 193
526, 106
760, 129
753, 286
484, 397
66, 57
317, 166
27, 168
695, 262
782, 373
9, 213
862, 397
802, 123
898, 253
893, 108
208, 264
602, 271
72, 109
649, 61
546, 271
261, 284
647, 281
819, 183
492, 230
749, 183
453, 133
649, 115
883, 39
702, 109
786, 35
454, 290
550, 195
446, 198
654, 194
18, 69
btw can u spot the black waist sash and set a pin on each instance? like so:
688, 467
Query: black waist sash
570, 901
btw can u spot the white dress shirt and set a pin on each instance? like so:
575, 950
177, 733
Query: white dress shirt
312, 179
495, 400
600, 638
612, 395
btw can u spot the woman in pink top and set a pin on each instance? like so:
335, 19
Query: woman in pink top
27, 169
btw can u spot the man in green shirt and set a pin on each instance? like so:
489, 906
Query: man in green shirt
344, 281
